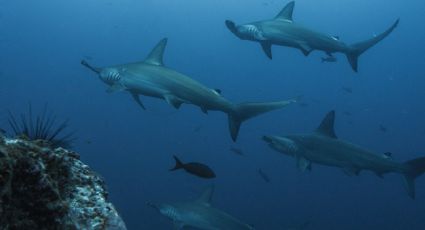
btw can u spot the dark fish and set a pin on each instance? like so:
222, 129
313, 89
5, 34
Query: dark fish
347, 89
2, 131
329, 59
264, 176
194, 168
237, 151
383, 128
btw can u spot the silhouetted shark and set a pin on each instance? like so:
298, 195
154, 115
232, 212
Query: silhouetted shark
323, 147
283, 31
200, 215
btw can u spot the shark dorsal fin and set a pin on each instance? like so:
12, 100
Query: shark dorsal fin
286, 12
206, 196
326, 128
155, 56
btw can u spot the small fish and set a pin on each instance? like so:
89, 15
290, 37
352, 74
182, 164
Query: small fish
264, 176
88, 142
195, 168
237, 151
383, 129
329, 59
2, 132
347, 89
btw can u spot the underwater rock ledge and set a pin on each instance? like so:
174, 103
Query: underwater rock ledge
45, 188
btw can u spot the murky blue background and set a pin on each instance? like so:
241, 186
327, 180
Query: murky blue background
43, 41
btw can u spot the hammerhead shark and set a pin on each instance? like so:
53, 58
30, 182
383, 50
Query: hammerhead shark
199, 214
283, 31
323, 147
151, 78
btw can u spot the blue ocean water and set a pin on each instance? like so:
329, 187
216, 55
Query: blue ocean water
42, 43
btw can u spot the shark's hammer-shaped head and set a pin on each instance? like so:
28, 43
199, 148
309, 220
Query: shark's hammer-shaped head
282, 144
246, 32
108, 75
254, 31
166, 210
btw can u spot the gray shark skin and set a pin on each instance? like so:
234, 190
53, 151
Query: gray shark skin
283, 31
323, 147
200, 215
151, 78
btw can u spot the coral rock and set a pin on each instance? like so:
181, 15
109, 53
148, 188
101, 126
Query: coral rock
45, 188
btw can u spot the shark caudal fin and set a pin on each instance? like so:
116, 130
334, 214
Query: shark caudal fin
244, 111
415, 168
357, 49
178, 165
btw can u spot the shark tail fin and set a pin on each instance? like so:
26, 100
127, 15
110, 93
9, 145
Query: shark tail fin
178, 165
415, 168
244, 111
357, 49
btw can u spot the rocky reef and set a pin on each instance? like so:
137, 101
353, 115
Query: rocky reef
42, 187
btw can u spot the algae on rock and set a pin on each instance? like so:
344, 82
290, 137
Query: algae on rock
46, 188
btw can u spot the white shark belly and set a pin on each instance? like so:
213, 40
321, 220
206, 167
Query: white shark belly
161, 82
294, 35
144, 86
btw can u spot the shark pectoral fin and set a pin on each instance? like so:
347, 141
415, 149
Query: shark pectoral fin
267, 48
173, 100
116, 88
178, 225
303, 164
305, 48
351, 171
138, 101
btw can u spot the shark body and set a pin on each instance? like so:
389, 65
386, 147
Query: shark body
151, 78
283, 31
323, 147
200, 215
